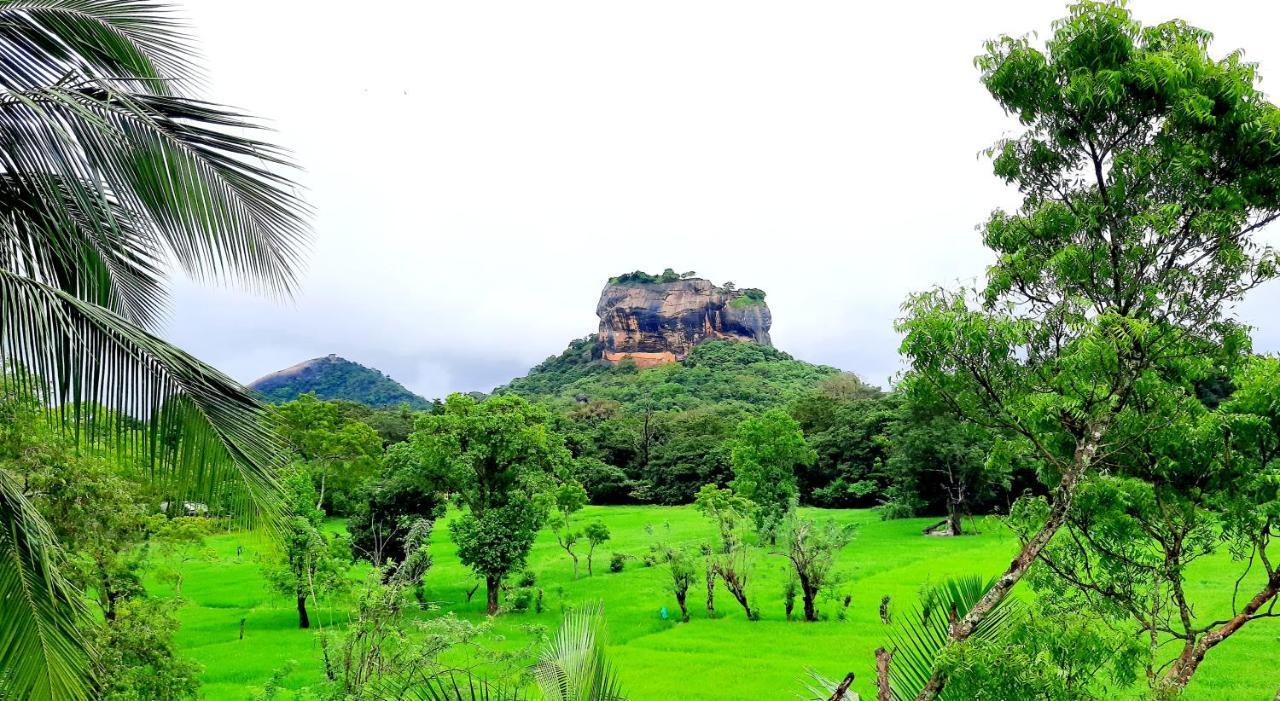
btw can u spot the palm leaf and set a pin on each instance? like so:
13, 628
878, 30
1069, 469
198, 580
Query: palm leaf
204, 435
178, 171
139, 42
62, 246
573, 667
450, 686
107, 173
919, 637
42, 653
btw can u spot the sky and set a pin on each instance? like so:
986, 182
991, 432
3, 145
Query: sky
479, 169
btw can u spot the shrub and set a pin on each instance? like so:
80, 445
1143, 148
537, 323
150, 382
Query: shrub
617, 561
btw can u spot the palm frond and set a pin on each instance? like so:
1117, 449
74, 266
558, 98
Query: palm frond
81, 252
574, 667
42, 653
177, 170
203, 435
919, 637
141, 43
451, 686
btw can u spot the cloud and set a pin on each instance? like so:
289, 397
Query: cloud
480, 169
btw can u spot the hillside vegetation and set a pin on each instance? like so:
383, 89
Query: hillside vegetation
336, 378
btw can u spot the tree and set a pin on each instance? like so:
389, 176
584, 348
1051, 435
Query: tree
110, 174
310, 563
569, 498
727, 510
381, 520
596, 534
1180, 493
766, 452
682, 574
180, 541
340, 453
734, 569
1145, 167
938, 462
499, 457
137, 656
811, 549
847, 424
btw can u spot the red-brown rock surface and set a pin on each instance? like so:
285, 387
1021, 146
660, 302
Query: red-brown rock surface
660, 322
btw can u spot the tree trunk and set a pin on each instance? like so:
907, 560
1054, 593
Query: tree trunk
711, 591
491, 585
684, 610
810, 611
1176, 679
953, 523
575, 565
1063, 494
304, 621
883, 659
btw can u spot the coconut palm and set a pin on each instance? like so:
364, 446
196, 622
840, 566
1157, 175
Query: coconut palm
110, 176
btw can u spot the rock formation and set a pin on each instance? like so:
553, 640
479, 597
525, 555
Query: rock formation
653, 323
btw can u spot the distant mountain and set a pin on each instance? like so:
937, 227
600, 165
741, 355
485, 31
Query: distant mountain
332, 377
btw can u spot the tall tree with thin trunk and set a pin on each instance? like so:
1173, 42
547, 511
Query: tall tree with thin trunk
111, 173
1146, 166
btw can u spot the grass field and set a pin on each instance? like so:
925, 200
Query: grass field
725, 658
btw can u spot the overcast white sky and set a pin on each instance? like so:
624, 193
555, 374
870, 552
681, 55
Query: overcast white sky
480, 168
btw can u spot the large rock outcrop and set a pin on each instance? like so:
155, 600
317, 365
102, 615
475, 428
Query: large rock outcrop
653, 323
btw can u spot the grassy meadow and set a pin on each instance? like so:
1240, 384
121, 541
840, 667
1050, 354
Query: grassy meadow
725, 658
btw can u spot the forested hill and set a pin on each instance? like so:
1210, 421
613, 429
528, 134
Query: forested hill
715, 372
332, 377
658, 434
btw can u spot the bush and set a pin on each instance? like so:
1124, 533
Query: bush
527, 579
617, 561
522, 599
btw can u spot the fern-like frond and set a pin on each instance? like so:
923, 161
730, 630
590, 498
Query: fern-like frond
42, 653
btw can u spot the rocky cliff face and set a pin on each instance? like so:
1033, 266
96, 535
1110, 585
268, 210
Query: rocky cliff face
659, 322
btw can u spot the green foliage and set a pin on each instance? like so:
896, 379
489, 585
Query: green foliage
334, 378
499, 457
113, 175
310, 563
569, 497
662, 430
136, 655
811, 549
340, 453
766, 452
1043, 652
847, 423
1145, 166
938, 464
920, 637
618, 561
640, 277
399, 497
573, 666
748, 297
597, 534
727, 510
